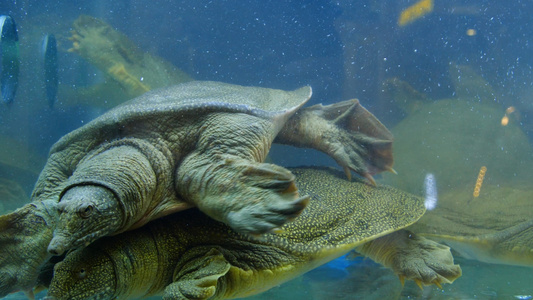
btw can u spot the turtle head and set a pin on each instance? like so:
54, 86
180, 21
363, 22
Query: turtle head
84, 274
86, 213
24, 235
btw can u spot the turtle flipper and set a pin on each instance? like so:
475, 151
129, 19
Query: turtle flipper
347, 132
251, 197
414, 258
198, 278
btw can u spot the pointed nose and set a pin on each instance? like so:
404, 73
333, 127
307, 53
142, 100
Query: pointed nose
57, 246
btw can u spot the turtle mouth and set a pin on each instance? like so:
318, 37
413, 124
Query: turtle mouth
63, 242
59, 244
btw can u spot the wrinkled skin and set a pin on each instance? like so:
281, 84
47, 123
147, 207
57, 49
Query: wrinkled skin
223, 173
24, 236
413, 257
80, 207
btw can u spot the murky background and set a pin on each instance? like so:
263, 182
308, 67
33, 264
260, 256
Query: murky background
451, 79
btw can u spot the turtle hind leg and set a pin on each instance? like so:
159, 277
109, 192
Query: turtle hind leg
347, 132
251, 197
413, 257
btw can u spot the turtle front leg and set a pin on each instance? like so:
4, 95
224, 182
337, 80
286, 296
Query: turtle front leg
251, 197
347, 132
199, 277
413, 257
226, 179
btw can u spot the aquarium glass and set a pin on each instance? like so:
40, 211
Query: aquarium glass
451, 79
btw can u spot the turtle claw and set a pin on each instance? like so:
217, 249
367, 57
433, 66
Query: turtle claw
348, 173
402, 279
259, 220
419, 283
29, 294
424, 261
370, 179
277, 230
437, 283
355, 138
390, 169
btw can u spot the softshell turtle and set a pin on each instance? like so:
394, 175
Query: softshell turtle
453, 138
494, 227
191, 256
199, 144
465, 145
135, 70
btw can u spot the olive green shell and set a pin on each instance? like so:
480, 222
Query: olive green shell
349, 208
185, 100
161, 116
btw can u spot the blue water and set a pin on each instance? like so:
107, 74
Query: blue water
287, 44
343, 49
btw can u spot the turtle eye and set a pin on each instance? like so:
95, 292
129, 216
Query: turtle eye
82, 273
85, 211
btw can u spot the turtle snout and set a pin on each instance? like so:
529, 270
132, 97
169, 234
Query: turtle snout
58, 245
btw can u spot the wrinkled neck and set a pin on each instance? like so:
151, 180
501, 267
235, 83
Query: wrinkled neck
125, 170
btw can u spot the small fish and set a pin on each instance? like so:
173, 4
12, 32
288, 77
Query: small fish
50, 68
9, 56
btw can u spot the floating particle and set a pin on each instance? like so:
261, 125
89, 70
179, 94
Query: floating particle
508, 111
471, 32
479, 181
505, 120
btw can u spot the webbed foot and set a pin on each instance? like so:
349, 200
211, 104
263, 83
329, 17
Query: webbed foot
426, 262
251, 197
360, 142
198, 279
347, 132
414, 258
